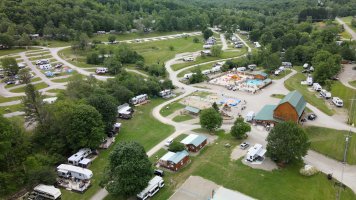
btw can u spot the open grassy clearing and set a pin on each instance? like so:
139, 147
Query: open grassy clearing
190, 70
143, 128
200, 59
347, 20
130, 36
281, 75
293, 83
353, 83
182, 118
33, 54
40, 57
53, 43
61, 80
76, 58
54, 91
14, 50
159, 51
346, 94
214, 162
171, 108
8, 99
38, 86
331, 143
12, 108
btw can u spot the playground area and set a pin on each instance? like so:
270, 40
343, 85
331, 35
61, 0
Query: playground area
241, 81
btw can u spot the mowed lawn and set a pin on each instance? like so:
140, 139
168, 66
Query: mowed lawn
171, 108
4, 52
142, 128
293, 83
347, 95
8, 99
331, 143
199, 60
347, 20
159, 51
213, 163
120, 37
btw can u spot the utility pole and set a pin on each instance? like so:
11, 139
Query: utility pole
347, 141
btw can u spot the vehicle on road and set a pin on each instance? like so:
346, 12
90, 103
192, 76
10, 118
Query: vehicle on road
338, 102
169, 142
312, 117
244, 145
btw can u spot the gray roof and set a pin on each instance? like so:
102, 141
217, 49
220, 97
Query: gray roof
175, 157
266, 113
296, 100
194, 139
192, 109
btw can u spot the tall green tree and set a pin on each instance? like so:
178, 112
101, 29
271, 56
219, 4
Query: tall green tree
207, 33
240, 128
107, 107
33, 103
210, 119
10, 65
129, 169
113, 64
287, 142
25, 75
216, 51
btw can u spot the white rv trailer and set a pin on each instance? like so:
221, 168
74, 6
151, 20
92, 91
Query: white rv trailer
47, 192
139, 99
68, 171
153, 187
79, 156
338, 102
255, 152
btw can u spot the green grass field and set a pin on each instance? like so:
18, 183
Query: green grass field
228, 54
142, 128
14, 50
182, 118
213, 163
38, 86
353, 83
346, 94
331, 143
60, 80
55, 91
293, 83
47, 56
79, 59
120, 37
201, 67
159, 52
281, 75
171, 108
8, 99
54, 43
12, 108
347, 20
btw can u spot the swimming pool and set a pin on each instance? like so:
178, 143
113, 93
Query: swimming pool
254, 82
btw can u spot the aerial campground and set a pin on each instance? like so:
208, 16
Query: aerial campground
177, 99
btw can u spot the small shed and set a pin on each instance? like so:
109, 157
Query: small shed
175, 161
192, 110
260, 75
195, 142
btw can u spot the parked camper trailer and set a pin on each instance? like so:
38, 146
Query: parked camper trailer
241, 69
139, 99
188, 59
45, 67
255, 152
188, 76
68, 171
124, 111
47, 192
79, 156
325, 94
310, 80
306, 65
252, 67
216, 68
206, 72
154, 185
338, 102
165, 93
21, 65
317, 87
207, 46
287, 64
101, 70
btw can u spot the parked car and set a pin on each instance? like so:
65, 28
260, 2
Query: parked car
169, 142
10, 82
59, 65
158, 172
244, 145
312, 116
338, 102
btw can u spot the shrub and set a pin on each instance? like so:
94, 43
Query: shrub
308, 170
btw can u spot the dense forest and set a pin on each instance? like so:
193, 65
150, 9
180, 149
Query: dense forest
286, 28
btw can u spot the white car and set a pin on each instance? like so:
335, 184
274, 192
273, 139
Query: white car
244, 145
168, 142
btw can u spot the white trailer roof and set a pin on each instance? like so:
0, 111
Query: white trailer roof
49, 189
154, 181
71, 168
79, 155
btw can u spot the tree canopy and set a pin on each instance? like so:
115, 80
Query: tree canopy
210, 119
287, 142
240, 128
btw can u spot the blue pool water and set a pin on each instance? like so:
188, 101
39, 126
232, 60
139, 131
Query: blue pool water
254, 82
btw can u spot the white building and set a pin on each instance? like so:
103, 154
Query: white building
68, 171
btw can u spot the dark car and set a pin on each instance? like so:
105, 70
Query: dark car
312, 116
10, 82
159, 172
306, 71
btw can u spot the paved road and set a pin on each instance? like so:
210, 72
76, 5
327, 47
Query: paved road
223, 41
245, 43
347, 75
347, 28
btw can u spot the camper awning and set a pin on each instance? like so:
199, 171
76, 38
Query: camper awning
262, 152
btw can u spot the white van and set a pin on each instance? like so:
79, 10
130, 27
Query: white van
325, 94
338, 102
317, 87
